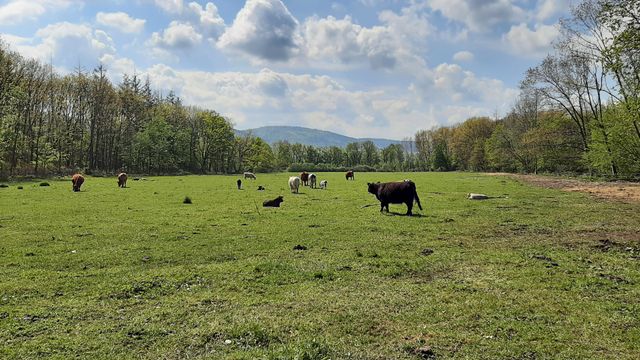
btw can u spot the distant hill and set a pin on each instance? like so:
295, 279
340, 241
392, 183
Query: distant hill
302, 135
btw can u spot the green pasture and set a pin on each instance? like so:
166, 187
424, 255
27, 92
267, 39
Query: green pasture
110, 273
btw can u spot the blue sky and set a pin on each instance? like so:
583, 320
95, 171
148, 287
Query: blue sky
364, 68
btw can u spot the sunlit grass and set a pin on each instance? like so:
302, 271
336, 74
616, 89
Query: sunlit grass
135, 272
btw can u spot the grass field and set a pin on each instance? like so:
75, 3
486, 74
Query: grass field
134, 273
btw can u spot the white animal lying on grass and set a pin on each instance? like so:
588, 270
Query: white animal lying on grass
472, 196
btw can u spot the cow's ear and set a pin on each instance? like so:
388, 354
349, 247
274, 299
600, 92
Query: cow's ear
369, 183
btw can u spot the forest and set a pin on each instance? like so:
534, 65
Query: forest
578, 112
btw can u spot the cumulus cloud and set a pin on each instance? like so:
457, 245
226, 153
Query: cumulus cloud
69, 45
531, 43
463, 56
17, 11
264, 30
177, 36
547, 9
120, 21
479, 15
170, 6
206, 18
401, 39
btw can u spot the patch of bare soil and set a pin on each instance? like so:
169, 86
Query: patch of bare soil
619, 190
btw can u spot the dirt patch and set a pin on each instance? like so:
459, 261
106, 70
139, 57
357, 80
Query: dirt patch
619, 190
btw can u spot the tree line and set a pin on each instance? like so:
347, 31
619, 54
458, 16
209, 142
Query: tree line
53, 124
578, 111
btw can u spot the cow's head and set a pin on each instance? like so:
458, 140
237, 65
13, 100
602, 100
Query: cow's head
373, 187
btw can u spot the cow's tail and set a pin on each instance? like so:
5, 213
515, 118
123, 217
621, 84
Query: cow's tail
415, 194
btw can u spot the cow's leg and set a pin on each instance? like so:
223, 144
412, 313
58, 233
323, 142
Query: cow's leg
409, 207
381, 207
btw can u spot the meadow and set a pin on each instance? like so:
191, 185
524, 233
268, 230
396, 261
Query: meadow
111, 273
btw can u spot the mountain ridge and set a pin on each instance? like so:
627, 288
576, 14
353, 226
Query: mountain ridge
309, 136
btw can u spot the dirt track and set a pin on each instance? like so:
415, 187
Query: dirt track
618, 191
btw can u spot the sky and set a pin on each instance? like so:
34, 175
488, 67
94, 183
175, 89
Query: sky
363, 68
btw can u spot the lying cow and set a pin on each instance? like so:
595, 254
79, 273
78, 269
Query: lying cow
395, 193
77, 181
273, 203
249, 175
312, 180
304, 178
323, 184
122, 180
294, 184
349, 175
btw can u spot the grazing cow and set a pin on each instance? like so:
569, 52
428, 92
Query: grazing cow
77, 181
349, 175
273, 203
323, 184
239, 183
313, 180
122, 180
294, 184
249, 175
304, 177
395, 193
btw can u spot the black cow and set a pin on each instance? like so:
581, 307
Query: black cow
395, 193
273, 203
239, 183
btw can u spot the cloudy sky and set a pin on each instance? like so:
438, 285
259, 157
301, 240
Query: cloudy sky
374, 68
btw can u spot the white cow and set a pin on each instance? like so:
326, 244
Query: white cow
323, 184
313, 180
294, 184
249, 175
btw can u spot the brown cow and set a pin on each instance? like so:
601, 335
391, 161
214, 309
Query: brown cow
349, 175
304, 177
273, 203
395, 193
122, 180
77, 181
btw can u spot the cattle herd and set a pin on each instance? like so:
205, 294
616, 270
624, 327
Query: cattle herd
400, 192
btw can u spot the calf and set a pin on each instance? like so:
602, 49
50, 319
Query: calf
349, 175
122, 180
273, 203
323, 184
312, 180
249, 175
304, 178
239, 183
294, 184
77, 181
395, 193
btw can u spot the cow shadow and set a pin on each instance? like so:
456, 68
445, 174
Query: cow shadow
393, 213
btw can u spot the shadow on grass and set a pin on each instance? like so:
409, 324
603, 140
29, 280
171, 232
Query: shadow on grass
393, 213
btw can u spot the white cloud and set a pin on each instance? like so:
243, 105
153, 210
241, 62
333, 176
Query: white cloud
264, 30
207, 19
547, 9
17, 11
400, 40
463, 56
67, 44
170, 6
177, 36
525, 42
479, 15
120, 21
